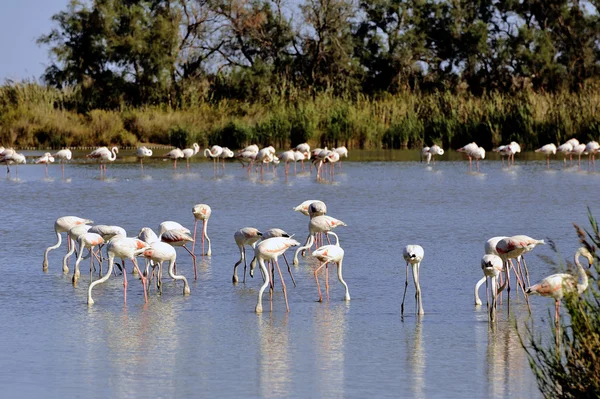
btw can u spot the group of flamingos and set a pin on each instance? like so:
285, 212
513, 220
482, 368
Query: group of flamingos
568, 149
248, 156
270, 244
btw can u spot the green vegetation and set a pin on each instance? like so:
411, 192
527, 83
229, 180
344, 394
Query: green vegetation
568, 366
363, 74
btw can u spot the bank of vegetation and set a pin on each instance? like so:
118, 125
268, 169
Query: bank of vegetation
376, 74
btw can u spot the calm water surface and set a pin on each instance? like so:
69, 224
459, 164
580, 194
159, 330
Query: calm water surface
211, 343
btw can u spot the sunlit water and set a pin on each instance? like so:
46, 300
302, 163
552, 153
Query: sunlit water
211, 343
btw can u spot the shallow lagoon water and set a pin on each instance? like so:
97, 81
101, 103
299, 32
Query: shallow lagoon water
211, 343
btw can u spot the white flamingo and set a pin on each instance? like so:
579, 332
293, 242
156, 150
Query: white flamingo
202, 212
244, 236
330, 254
103, 154
63, 225
413, 255
46, 159
143, 152
174, 154
547, 150
64, 155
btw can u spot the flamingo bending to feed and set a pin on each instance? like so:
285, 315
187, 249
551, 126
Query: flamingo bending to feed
124, 248
74, 233
557, 284
202, 212
319, 224
104, 154
274, 232
227, 153
142, 153
179, 238
244, 236
330, 254
547, 150
214, 153
160, 252
86, 240
63, 225
413, 255
63, 155
270, 250
46, 159
492, 266
303, 207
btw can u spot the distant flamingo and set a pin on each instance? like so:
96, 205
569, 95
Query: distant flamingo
547, 150
269, 250
244, 236
214, 153
46, 159
413, 255
566, 149
492, 266
10, 157
330, 254
578, 150
557, 284
319, 224
303, 149
124, 248
174, 154
202, 212
287, 157
592, 148
473, 151
104, 154
63, 225
227, 153
190, 152
160, 252
342, 152
86, 240
63, 155
143, 152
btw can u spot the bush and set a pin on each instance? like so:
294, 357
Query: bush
568, 366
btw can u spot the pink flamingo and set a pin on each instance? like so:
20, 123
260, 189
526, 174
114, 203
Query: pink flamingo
330, 254
557, 284
547, 150
214, 153
491, 266
179, 238
86, 240
160, 252
202, 212
319, 224
124, 248
104, 154
270, 250
244, 236
413, 255
190, 152
74, 233
63, 155
46, 159
63, 225
174, 154
592, 148
578, 150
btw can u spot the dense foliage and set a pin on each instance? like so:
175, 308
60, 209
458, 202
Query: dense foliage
568, 365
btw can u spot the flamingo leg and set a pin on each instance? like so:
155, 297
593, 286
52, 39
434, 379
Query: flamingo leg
234, 279
194, 259
194, 242
289, 270
144, 285
327, 281
282, 285
404, 295
124, 283
317, 280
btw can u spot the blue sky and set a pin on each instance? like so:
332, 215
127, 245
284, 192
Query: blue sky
21, 23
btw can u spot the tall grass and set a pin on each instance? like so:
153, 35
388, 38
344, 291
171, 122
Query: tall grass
33, 115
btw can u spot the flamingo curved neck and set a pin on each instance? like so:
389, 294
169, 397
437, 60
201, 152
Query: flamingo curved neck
582, 274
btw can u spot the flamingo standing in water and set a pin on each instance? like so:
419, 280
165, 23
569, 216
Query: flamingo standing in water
342, 152
270, 250
547, 150
330, 254
566, 149
492, 266
174, 154
227, 153
557, 284
578, 150
10, 157
303, 207
142, 153
303, 149
63, 155
86, 240
592, 148
286, 157
202, 212
413, 255
124, 248
490, 249
274, 232
46, 159
179, 238
319, 224
160, 252
244, 236
63, 225
473, 151
74, 233
190, 152
104, 154
214, 153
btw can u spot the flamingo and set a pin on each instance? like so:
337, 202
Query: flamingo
86, 240
435, 150
342, 152
124, 248
104, 154
244, 236
143, 152
299, 157
63, 155
46, 159
270, 250
160, 252
492, 267
202, 212
214, 153
303, 149
148, 235
190, 152
413, 255
566, 149
332, 158
107, 233
557, 284
425, 154
473, 151
179, 238
174, 154
287, 157
74, 233
274, 232
319, 224
10, 157
330, 254
227, 153
578, 150
63, 225
303, 207
592, 149
547, 150
248, 154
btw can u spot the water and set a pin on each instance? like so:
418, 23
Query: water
213, 343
